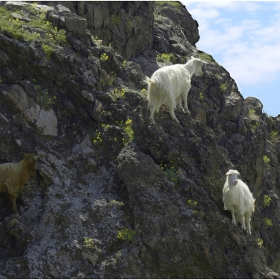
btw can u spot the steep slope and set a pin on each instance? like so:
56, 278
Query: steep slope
115, 197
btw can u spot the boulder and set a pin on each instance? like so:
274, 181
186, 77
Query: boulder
255, 104
76, 24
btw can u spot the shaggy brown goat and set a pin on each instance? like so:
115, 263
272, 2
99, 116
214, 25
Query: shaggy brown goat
13, 176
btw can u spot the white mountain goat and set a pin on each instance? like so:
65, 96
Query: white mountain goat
170, 84
238, 200
13, 176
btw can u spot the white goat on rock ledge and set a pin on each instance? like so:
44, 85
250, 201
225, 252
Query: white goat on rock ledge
238, 200
170, 84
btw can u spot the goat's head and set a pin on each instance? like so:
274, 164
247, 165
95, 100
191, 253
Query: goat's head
30, 161
198, 66
232, 177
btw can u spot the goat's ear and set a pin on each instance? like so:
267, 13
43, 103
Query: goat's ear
25, 155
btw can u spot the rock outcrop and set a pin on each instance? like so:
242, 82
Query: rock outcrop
115, 197
126, 26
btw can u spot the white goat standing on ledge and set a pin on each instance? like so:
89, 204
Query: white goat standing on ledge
238, 200
170, 84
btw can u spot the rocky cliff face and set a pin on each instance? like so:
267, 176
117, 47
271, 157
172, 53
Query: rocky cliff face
115, 196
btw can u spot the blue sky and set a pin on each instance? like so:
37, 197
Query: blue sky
243, 37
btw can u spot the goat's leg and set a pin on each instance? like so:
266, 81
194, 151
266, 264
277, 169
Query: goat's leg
152, 110
179, 100
171, 104
185, 99
172, 114
233, 217
248, 220
243, 227
14, 205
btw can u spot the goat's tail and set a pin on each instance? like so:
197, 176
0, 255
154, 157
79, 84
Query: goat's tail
156, 94
148, 80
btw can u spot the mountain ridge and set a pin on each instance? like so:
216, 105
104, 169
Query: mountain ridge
115, 197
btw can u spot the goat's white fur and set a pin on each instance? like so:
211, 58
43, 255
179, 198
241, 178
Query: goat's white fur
170, 84
238, 200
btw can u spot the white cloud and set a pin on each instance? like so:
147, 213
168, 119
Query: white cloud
255, 66
223, 21
238, 35
243, 38
226, 5
277, 6
204, 14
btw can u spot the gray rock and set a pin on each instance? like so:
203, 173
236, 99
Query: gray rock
44, 120
76, 24
232, 106
88, 96
181, 17
4, 59
254, 104
175, 31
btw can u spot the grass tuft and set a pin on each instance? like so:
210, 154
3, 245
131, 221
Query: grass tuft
35, 27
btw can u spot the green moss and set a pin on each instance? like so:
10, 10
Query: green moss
127, 235
106, 83
116, 19
274, 136
144, 91
255, 126
104, 57
175, 4
223, 87
252, 112
38, 28
206, 57
266, 200
192, 203
129, 133
96, 138
170, 172
117, 203
267, 222
48, 50
166, 57
118, 92
260, 242
266, 160
89, 243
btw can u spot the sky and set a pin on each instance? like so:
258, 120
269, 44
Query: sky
243, 37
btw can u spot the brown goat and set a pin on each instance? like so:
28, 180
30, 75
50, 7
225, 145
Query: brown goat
13, 176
